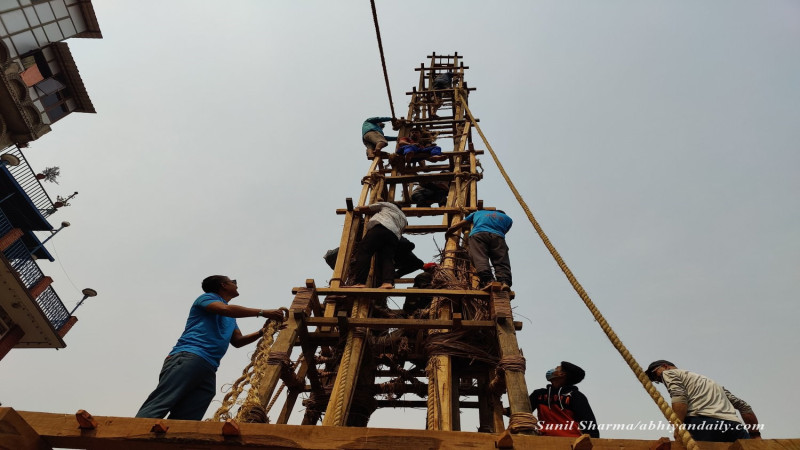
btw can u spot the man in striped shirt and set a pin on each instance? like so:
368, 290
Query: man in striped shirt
707, 409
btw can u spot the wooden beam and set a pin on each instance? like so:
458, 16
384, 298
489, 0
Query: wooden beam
122, 433
517, 390
347, 374
17, 434
409, 324
375, 292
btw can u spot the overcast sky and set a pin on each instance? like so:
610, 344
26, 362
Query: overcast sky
656, 142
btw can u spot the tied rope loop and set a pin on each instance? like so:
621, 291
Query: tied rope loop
669, 414
520, 422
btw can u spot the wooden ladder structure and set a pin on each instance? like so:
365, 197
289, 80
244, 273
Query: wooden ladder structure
349, 345
463, 345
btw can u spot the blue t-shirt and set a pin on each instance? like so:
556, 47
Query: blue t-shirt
207, 334
489, 221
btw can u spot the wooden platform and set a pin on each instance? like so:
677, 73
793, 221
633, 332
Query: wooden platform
25, 430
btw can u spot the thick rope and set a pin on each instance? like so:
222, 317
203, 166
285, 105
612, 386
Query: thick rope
669, 414
383, 59
251, 373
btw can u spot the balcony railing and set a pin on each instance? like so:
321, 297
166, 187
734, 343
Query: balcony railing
32, 187
29, 272
53, 308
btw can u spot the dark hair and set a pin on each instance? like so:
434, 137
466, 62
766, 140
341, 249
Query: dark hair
655, 365
213, 284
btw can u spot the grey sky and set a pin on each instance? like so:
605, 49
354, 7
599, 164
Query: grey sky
656, 143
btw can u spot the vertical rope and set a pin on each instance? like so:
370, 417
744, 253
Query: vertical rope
383, 59
669, 414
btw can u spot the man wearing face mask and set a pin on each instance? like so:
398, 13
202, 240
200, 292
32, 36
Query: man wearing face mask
562, 409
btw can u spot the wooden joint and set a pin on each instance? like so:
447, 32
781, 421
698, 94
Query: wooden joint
85, 420
505, 440
456, 321
341, 318
662, 444
582, 443
231, 428
298, 314
159, 428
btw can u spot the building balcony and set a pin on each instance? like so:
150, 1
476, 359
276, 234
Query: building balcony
31, 313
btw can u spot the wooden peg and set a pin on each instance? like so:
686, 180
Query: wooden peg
505, 440
231, 428
159, 428
661, 444
582, 443
85, 420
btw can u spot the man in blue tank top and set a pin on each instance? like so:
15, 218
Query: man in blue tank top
187, 382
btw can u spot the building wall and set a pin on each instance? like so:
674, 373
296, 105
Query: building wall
26, 25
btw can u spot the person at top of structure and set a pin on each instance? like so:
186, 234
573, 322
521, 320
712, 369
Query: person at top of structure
372, 135
706, 408
441, 81
187, 382
384, 229
563, 410
487, 244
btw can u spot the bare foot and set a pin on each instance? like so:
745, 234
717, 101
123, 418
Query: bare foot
386, 286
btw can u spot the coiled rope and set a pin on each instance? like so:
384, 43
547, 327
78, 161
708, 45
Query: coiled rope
666, 410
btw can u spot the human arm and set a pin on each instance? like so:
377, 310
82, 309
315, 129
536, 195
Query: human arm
584, 415
237, 311
240, 340
748, 416
453, 229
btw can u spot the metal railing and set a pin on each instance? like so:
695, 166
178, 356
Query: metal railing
29, 272
20, 258
53, 308
27, 180
5, 224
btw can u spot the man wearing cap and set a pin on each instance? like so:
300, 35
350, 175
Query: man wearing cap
706, 408
187, 382
487, 243
563, 410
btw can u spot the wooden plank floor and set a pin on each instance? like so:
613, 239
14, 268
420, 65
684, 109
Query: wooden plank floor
27, 430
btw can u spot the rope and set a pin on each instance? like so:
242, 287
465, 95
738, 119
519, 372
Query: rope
520, 422
251, 375
669, 414
383, 59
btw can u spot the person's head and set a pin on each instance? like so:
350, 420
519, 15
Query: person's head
566, 374
221, 285
415, 134
656, 368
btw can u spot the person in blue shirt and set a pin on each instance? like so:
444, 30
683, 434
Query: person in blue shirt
487, 243
187, 382
372, 135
